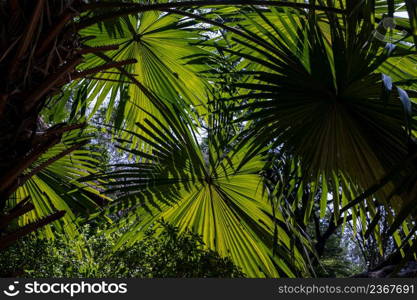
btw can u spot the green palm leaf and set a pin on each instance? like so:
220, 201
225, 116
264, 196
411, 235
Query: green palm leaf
321, 99
207, 189
159, 44
52, 185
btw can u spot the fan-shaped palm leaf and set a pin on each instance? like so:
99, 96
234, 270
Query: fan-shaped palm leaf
207, 189
321, 98
51, 184
159, 44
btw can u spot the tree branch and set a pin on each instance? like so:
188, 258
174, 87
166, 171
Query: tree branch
27, 37
50, 161
134, 8
10, 238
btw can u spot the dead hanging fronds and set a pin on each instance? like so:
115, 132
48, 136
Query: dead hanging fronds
40, 53
10, 238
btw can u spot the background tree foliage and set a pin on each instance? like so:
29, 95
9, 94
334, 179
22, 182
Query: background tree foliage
91, 255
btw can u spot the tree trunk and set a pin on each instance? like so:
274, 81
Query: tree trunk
37, 56
39, 53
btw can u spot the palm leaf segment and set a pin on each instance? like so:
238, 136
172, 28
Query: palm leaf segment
52, 185
205, 188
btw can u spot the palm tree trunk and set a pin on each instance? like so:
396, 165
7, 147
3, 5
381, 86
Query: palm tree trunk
38, 55
36, 58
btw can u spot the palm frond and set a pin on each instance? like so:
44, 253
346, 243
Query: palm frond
51, 184
205, 187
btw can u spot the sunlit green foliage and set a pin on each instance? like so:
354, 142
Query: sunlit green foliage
170, 255
243, 124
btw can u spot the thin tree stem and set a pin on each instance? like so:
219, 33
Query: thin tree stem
133, 8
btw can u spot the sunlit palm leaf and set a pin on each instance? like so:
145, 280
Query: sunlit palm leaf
55, 186
210, 192
160, 44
